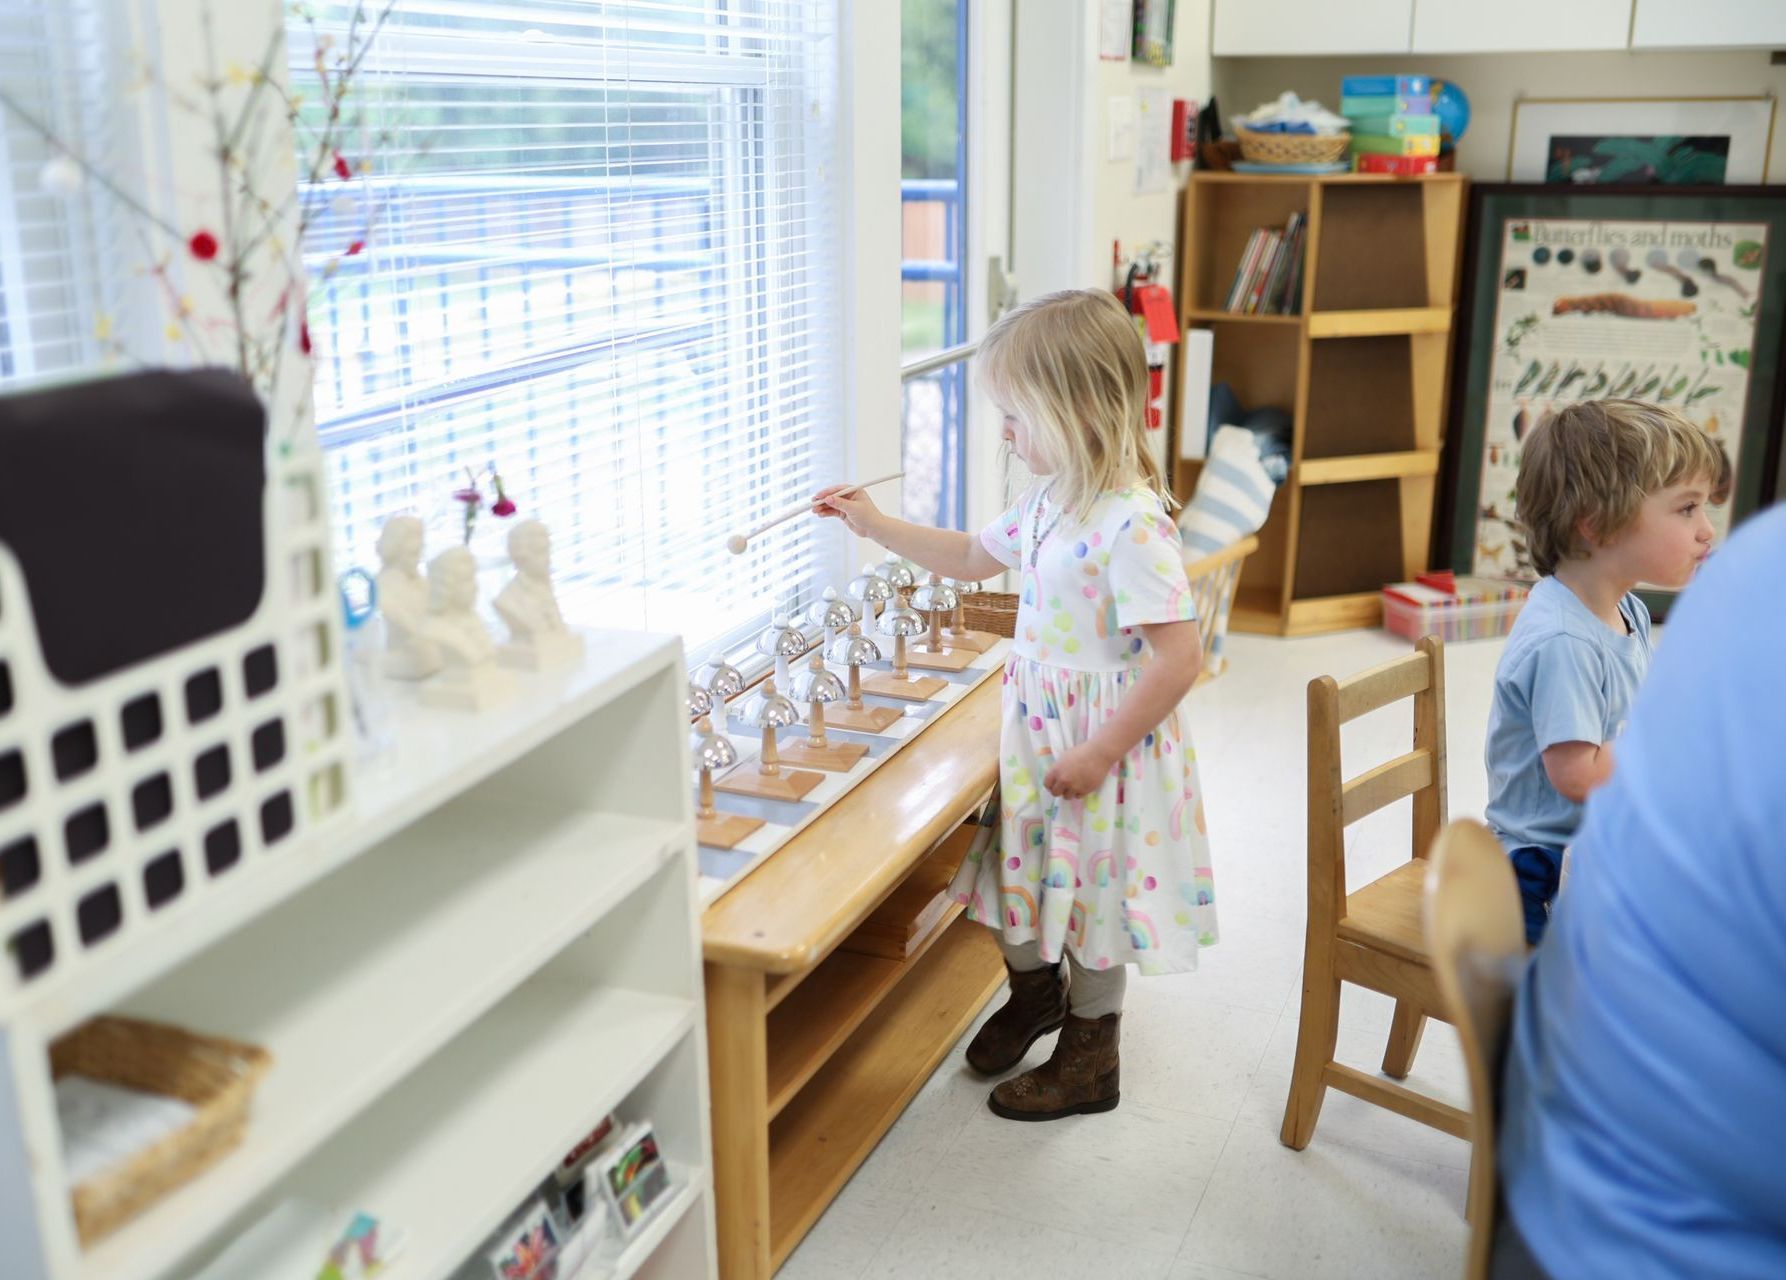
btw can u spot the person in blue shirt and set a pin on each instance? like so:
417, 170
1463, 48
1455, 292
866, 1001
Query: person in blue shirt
1610, 493
1644, 1095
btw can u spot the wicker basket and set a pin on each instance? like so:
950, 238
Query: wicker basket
1292, 148
217, 1077
991, 611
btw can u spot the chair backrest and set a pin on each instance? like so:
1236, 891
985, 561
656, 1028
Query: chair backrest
1476, 936
1334, 802
1213, 578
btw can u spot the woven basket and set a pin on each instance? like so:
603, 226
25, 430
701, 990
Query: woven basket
1292, 148
217, 1077
990, 611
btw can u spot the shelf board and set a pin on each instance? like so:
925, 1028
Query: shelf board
1321, 614
1386, 322
1227, 176
1256, 610
362, 977
435, 756
498, 1091
829, 1129
827, 1007
1368, 466
1210, 315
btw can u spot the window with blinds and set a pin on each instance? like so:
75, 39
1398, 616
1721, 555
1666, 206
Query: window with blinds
62, 241
598, 257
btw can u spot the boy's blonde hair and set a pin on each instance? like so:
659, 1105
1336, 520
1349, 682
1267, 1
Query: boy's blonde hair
1071, 366
1593, 464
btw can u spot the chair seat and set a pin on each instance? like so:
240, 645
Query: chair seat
1385, 914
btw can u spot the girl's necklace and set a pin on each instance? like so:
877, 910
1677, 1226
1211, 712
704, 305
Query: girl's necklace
1037, 534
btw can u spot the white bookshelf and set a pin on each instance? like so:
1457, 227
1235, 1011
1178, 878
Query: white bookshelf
497, 944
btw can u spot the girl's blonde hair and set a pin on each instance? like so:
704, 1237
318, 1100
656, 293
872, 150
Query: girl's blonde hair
1071, 366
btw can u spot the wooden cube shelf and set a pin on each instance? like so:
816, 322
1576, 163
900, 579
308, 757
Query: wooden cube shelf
1361, 369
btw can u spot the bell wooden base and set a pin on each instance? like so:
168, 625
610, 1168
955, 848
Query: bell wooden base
913, 688
978, 641
838, 757
725, 830
867, 720
789, 784
946, 659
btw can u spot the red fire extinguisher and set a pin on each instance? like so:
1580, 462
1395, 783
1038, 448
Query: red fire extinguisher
1155, 317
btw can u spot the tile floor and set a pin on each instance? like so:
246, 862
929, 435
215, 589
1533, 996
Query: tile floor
1186, 1180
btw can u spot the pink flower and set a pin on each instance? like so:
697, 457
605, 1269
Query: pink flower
469, 496
355, 247
203, 245
342, 168
502, 507
304, 336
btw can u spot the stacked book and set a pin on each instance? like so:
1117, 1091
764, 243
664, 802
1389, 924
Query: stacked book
1394, 129
1268, 280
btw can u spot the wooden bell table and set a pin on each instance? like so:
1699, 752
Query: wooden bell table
817, 1036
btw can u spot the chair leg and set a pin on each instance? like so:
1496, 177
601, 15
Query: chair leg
1404, 1039
1316, 1037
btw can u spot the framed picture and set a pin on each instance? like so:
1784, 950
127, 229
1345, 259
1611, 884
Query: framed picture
1671, 294
1632, 141
1153, 32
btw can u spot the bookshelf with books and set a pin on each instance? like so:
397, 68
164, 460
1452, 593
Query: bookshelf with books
1330, 297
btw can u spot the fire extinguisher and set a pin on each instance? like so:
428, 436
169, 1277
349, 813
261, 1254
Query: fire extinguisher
1150, 302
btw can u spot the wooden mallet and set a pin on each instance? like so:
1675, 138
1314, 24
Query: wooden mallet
737, 543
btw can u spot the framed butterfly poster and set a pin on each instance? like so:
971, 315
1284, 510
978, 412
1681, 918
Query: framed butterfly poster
1674, 295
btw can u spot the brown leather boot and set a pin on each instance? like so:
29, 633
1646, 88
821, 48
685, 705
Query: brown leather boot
1079, 1079
1037, 1006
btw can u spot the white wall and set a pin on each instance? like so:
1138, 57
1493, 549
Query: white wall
1071, 201
1494, 81
1072, 204
1118, 214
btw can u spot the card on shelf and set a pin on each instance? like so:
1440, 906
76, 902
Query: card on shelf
366, 1247
635, 1177
527, 1249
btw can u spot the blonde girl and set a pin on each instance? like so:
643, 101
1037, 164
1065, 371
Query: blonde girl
1101, 860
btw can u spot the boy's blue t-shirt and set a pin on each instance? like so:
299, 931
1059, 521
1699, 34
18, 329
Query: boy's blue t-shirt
1564, 677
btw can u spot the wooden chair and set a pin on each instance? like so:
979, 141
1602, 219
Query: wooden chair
1475, 933
1373, 937
1213, 579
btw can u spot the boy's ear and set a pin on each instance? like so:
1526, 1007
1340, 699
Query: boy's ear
1586, 530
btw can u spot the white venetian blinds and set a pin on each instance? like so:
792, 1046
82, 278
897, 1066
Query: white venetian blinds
61, 240
598, 256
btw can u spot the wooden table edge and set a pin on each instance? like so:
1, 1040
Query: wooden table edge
956, 758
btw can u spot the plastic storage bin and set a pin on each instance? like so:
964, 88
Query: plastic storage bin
1450, 620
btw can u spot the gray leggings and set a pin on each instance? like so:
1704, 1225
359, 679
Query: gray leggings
1091, 993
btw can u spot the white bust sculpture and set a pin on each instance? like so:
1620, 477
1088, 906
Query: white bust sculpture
403, 601
538, 637
469, 679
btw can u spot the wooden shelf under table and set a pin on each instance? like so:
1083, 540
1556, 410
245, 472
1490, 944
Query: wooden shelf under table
800, 1097
831, 1126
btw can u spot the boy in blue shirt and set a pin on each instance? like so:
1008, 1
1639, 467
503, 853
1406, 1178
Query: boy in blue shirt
1610, 493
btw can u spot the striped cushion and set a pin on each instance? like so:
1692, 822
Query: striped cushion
1233, 494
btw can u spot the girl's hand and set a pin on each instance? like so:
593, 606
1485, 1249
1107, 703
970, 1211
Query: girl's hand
857, 510
1079, 772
